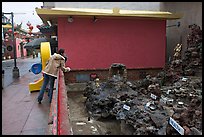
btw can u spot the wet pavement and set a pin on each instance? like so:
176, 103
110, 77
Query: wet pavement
23, 64
21, 113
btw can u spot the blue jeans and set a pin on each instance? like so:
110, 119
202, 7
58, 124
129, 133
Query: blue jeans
47, 79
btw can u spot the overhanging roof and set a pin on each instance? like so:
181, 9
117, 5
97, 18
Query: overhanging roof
53, 13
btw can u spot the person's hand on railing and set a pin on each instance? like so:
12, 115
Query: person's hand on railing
67, 69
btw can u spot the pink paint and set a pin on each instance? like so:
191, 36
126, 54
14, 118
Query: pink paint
18, 52
137, 43
18, 49
17, 42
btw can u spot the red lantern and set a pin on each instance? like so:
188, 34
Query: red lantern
29, 32
15, 33
24, 40
38, 26
28, 24
6, 40
28, 35
6, 35
31, 27
10, 31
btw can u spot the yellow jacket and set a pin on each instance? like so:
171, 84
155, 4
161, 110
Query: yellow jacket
55, 62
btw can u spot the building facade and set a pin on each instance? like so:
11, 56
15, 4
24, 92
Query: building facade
8, 45
192, 12
117, 40
94, 39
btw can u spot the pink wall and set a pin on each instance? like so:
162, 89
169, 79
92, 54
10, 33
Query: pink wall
18, 49
137, 43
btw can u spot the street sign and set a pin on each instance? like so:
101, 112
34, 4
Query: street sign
153, 96
126, 107
176, 126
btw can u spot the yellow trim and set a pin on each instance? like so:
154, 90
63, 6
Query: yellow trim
107, 12
8, 26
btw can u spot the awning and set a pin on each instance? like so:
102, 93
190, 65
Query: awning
35, 44
53, 13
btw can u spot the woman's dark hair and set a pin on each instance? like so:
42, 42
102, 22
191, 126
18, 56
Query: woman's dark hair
65, 58
61, 51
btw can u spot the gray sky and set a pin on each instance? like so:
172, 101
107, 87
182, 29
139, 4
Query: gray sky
28, 13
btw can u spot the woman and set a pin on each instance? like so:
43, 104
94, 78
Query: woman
56, 61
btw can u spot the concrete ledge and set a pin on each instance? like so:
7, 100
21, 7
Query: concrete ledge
64, 126
58, 121
76, 86
132, 74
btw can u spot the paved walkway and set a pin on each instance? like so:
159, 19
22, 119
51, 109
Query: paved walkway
21, 113
23, 64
